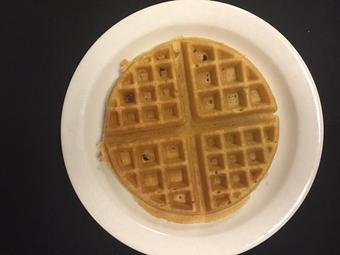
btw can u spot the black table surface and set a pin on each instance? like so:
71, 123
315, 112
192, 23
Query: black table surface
42, 44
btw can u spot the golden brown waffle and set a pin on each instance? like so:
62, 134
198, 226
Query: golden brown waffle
190, 129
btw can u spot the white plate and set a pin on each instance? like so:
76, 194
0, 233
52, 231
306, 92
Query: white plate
293, 169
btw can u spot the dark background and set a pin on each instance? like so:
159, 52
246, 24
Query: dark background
42, 44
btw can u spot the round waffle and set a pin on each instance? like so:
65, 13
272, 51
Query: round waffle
190, 129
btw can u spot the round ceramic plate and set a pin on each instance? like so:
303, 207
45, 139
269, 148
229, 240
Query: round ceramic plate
295, 164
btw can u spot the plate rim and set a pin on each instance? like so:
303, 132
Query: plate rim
311, 85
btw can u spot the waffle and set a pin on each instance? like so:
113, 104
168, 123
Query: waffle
190, 129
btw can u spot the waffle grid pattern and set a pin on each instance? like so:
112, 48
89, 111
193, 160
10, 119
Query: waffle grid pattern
158, 170
148, 96
222, 84
234, 160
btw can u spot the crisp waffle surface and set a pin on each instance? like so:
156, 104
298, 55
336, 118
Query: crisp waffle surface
190, 129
